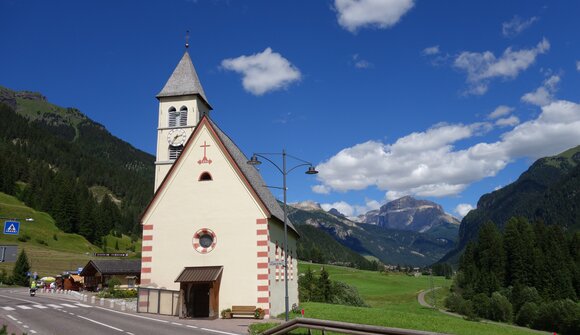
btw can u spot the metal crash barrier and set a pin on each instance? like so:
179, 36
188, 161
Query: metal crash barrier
341, 327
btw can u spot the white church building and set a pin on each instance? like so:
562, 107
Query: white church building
212, 227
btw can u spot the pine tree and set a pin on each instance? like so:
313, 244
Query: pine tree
324, 286
21, 270
490, 258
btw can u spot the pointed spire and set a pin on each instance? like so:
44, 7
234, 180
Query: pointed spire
183, 81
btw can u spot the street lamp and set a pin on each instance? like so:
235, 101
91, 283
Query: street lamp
311, 170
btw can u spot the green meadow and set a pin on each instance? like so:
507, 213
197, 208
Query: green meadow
393, 301
51, 251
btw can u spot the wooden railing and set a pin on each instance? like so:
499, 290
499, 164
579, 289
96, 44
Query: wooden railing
341, 327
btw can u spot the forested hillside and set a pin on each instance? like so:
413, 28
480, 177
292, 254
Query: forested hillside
548, 191
529, 274
59, 161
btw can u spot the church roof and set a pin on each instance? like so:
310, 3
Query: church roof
183, 81
252, 175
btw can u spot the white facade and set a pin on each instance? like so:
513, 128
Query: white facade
210, 188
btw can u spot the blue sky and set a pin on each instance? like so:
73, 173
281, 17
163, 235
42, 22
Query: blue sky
442, 100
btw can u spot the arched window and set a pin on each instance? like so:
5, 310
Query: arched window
173, 116
174, 152
205, 176
183, 116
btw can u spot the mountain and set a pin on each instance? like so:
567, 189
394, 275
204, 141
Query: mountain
408, 213
390, 246
58, 160
548, 191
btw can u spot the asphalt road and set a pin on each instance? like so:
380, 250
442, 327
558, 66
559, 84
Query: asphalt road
61, 315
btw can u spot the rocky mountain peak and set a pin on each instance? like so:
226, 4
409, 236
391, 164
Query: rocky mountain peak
307, 205
408, 213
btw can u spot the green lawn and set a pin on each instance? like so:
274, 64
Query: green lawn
393, 301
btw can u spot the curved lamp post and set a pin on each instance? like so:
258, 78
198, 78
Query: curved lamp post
284, 171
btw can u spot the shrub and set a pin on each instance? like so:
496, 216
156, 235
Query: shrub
562, 316
501, 308
527, 314
344, 294
455, 303
111, 283
482, 305
118, 294
225, 311
522, 295
55, 237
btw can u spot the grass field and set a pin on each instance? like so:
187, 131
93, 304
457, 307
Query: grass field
49, 250
393, 301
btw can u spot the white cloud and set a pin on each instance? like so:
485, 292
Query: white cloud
516, 25
481, 67
544, 94
321, 189
428, 164
343, 207
508, 121
361, 63
434, 50
263, 72
352, 211
463, 209
578, 65
500, 111
355, 14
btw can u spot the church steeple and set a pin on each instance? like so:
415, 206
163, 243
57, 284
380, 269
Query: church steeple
184, 81
182, 104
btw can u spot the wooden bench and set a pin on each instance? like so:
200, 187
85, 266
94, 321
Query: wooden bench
243, 310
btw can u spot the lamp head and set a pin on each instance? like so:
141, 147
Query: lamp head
254, 161
311, 170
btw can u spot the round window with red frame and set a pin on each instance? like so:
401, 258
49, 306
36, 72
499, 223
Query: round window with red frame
204, 241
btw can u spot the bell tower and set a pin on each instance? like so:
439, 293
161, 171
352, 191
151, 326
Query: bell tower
182, 104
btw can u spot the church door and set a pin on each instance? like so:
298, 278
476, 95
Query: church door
201, 300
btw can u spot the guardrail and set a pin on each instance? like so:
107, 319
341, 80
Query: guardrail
341, 327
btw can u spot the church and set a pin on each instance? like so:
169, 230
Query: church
212, 229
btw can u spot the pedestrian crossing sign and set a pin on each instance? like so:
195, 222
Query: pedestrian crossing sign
11, 227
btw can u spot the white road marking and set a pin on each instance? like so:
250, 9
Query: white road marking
19, 322
69, 305
8, 308
177, 324
11, 297
192, 326
82, 305
135, 316
100, 323
33, 331
54, 305
23, 307
129, 333
40, 306
71, 313
25, 326
11, 317
218, 331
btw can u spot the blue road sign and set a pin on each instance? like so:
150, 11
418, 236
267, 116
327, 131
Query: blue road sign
11, 227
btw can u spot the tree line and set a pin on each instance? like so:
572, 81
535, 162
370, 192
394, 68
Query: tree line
44, 168
528, 274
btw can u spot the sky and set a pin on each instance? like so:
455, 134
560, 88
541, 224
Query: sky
440, 100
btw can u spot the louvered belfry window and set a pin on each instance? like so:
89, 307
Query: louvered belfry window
173, 116
174, 152
183, 116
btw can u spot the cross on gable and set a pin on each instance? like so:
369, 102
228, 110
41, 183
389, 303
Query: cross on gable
204, 160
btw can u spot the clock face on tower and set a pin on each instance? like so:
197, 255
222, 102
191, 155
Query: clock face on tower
176, 137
